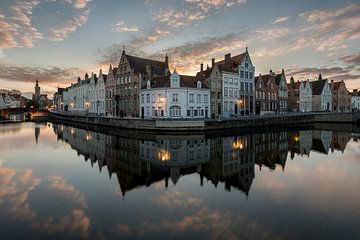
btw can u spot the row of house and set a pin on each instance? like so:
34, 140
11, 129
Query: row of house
11, 99
146, 88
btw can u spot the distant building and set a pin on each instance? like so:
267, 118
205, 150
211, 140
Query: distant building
97, 94
283, 92
355, 100
232, 85
340, 96
58, 101
267, 94
42, 99
11, 99
322, 97
76, 97
175, 96
300, 96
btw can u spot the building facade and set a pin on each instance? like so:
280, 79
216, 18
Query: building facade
322, 97
97, 94
175, 97
341, 98
110, 90
232, 85
283, 92
132, 74
76, 97
267, 94
355, 100
299, 96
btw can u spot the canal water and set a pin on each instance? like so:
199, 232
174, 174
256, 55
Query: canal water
62, 182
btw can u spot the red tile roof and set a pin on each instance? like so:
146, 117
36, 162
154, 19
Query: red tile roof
185, 81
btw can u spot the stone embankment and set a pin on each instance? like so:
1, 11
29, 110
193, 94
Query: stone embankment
201, 125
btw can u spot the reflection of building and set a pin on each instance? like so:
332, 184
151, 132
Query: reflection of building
271, 149
322, 141
37, 133
339, 141
300, 143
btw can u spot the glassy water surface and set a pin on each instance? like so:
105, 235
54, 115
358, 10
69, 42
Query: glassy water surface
60, 182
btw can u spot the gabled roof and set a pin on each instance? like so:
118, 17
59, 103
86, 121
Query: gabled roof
317, 86
139, 64
185, 81
266, 78
337, 85
295, 85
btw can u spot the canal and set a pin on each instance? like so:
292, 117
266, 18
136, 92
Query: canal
63, 182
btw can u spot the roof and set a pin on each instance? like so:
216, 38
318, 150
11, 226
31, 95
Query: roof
295, 85
337, 85
185, 81
139, 64
317, 86
266, 78
230, 66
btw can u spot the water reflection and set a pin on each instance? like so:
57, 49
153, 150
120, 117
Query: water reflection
228, 160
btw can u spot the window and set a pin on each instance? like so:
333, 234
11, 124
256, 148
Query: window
236, 91
241, 74
225, 106
147, 111
147, 98
242, 87
230, 80
236, 81
152, 98
251, 75
246, 65
175, 111
175, 97
206, 98
246, 87
246, 75
198, 98
225, 80
225, 91
251, 87
191, 98
230, 92
142, 98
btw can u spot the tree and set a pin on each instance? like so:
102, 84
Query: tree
32, 104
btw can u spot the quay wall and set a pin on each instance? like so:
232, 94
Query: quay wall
189, 126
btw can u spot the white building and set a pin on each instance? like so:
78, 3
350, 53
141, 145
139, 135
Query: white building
355, 100
175, 97
97, 94
322, 96
76, 97
305, 97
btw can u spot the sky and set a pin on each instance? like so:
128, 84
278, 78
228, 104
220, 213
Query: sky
58, 40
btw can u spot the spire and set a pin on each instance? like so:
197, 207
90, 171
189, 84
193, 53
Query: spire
37, 81
282, 71
246, 49
320, 77
110, 68
123, 52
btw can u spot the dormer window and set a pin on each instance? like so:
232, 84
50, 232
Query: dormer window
246, 65
148, 84
198, 84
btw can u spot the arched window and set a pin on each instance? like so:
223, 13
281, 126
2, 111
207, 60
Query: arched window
175, 111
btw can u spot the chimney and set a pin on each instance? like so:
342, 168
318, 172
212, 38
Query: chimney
166, 65
79, 79
201, 67
271, 72
213, 62
227, 58
86, 76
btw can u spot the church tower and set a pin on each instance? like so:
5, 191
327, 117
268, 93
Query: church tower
37, 89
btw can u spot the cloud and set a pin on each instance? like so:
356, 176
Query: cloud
16, 27
52, 76
281, 19
122, 27
79, 4
65, 30
195, 10
351, 59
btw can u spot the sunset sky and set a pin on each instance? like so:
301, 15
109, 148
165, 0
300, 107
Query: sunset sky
57, 40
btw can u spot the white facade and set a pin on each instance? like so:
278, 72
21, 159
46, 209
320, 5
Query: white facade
175, 101
76, 98
305, 97
246, 76
326, 98
355, 102
97, 94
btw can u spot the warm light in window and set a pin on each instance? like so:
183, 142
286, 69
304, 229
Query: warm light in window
237, 144
163, 155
